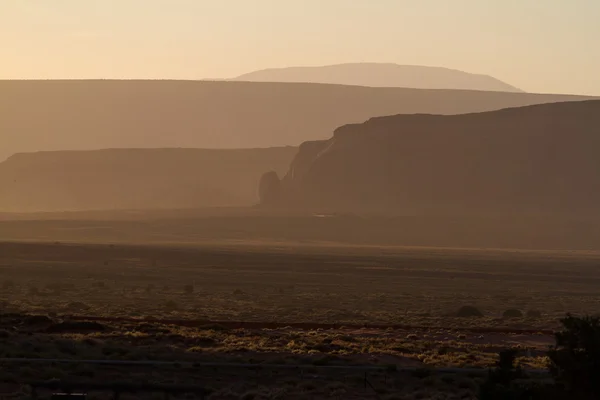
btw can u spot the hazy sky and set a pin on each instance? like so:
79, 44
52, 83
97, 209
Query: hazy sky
537, 45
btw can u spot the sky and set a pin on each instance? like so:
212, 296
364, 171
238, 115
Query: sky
546, 46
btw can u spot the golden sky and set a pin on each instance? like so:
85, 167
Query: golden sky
537, 45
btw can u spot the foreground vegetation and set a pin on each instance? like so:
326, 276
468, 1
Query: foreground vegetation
452, 309
299, 284
210, 357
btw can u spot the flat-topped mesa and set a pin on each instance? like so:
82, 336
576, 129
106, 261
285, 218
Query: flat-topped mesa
115, 179
535, 159
382, 75
80, 115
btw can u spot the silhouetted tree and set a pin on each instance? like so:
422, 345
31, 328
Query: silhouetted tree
575, 359
574, 365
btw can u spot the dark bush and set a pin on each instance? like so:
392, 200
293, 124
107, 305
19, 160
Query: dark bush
512, 313
99, 285
575, 359
76, 327
574, 364
469, 312
8, 285
77, 306
507, 382
213, 327
422, 373
58, 287
534, 314
37, 320
171, 305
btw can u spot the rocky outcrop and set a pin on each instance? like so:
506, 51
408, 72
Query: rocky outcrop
269, 188
528, 160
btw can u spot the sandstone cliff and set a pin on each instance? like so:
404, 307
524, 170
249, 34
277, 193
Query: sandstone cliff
529, 160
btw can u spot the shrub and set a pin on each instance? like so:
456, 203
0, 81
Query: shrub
500, 383
37, 320
59, 287
77, 327
99, 285
421, 373
573, 363
213, 327
77, 306
575, 359
171, 305
469, 312
8, 285
448, 379
324, 361
54, 288
512, 313
534, 314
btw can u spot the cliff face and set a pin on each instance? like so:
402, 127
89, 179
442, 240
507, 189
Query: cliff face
536, 159
83, 115
136, 178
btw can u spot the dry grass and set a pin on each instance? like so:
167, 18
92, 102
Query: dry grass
413, 287
296, 285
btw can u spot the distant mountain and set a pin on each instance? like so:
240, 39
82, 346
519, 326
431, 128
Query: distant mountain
85, 115
136, 178
382, 75
534, 160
